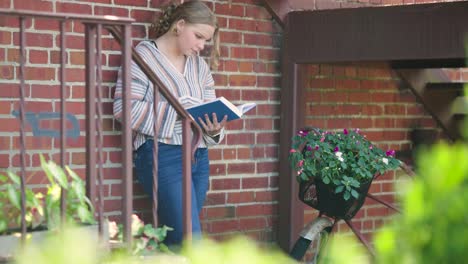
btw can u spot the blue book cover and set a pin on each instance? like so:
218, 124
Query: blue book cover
221, 106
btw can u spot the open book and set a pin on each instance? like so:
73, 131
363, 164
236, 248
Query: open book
221, 106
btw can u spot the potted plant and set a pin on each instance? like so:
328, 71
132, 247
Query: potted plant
335, 169
42, 209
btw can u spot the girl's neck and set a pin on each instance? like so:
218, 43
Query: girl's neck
167, 45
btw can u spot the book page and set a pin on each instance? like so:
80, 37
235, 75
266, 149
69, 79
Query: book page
243, 108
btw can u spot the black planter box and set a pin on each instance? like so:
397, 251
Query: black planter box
322, 197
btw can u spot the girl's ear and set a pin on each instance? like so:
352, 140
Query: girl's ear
180, 25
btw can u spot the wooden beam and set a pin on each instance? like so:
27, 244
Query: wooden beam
290, 211
410, 34
280, 8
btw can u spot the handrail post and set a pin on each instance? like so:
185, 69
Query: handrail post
127, 137
90, 42
22, 59
186, 180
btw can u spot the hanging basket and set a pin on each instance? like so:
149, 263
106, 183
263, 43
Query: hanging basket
322, 197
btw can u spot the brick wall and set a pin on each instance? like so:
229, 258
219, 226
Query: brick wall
370, 97
242, 196
244, 189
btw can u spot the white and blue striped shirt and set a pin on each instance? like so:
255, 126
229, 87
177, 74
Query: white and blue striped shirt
195, 84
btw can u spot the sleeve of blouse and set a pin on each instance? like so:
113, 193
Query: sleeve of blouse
141, 97
208, 95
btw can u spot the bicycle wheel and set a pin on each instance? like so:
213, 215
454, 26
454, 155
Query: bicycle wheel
316, 230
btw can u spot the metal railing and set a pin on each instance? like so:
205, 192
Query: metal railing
120, 28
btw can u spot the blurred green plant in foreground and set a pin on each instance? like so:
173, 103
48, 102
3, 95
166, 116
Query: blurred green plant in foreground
433, 225
76, 246
237, 250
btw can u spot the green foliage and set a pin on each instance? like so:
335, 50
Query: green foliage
433, 226
146, 238
344, 249
44, 210
70, 245
233, 251
344, 159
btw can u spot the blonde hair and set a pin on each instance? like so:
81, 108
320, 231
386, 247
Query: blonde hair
192, 12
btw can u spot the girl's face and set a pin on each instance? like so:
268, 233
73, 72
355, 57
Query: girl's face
192, 37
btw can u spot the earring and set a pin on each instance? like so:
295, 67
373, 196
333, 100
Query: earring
175, 31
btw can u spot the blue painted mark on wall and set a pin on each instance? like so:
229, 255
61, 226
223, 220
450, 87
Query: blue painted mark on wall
35, 118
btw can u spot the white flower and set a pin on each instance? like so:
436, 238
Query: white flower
385, 160
338, 155
113, 229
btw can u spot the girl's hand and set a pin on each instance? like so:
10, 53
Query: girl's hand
212, 128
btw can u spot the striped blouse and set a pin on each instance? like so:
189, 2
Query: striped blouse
195, 84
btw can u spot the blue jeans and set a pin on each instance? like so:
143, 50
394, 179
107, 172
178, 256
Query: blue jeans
170, 185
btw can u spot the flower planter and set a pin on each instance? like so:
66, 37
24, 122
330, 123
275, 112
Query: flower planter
10, 244
322, 197
346, 160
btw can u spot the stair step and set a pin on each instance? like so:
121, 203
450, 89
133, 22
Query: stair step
452, 86
429, 63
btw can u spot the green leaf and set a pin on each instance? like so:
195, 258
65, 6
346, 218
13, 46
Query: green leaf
139, 245
3, 178
339, 189
355, 183
78, 190
59, 175
152, 245
73, 174
14, 196
354, 193
149, 231
326, 180
84, 214
3, 226
346, 195
14, 178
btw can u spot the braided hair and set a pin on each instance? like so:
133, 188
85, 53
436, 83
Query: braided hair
192, 12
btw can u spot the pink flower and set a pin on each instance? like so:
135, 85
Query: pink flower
316, 147
300, 163
345, 131
371, 147
302, 133
322, 139
336, 149
309, 148
390, 152
292, 151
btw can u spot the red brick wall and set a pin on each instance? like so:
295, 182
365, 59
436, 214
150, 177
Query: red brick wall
242, 196
369, 97
244, 189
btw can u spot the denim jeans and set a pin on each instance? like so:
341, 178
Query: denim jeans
170, 185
